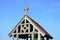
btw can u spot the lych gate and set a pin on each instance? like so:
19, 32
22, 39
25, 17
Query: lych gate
28, 28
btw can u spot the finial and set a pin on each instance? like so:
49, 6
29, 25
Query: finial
26, 10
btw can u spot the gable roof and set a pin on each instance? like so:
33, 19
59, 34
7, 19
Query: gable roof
37, 25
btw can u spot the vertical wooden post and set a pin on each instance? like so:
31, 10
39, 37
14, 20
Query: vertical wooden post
39, 36
21, 29
12, 37
17, 36
16, 33
29, 28
32, 36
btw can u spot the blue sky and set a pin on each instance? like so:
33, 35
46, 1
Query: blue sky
45, 12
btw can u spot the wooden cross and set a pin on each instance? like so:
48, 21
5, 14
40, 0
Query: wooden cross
26, 10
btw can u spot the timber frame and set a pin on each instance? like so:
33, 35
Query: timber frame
28, 28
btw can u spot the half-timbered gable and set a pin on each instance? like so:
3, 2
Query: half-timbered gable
28, 28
